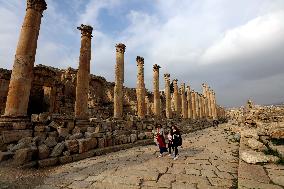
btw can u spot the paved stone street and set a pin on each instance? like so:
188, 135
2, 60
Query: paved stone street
206, 161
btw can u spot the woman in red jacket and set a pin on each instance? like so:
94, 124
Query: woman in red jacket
161, 143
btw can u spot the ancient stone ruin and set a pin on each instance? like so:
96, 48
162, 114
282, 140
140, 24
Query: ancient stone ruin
52, 116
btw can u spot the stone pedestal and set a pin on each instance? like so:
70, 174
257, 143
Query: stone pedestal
156, 91
183, 102
22, 73
168, 96
83, 74
119, 79
140, 90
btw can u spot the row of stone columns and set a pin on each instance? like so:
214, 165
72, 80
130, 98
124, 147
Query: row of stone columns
187, 103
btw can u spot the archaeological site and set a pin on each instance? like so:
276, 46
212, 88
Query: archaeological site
68, 128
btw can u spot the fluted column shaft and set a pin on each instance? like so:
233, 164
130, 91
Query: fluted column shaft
83, 74
22, 73
168, 96
140, 90
156, 90
118, 88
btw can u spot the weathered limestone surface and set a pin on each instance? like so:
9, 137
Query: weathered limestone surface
83, 74
156, 91
176, 97
193, 104
168, 96
189, 104
183, 102
22, 73
119, 80
140, 90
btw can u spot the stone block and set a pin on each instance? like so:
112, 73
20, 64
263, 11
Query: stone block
72, 146
133, 138
6, 155
141, 136
77, 157
50, 141
54, 125
40, 128
149, 135
57, 150
43, 117
53, 134
48, 162
70, 125
43, 151
76, 136
65, 159
91, 129
34, 118
22, 125
25, 155
63, 132
41, 135
15, 135
101, 142
87, 144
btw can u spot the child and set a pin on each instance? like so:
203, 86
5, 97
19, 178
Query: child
162, 144
177, 140
170, 141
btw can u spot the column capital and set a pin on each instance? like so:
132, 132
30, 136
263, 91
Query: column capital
156, 67
167, 75
175, 81
38, 5
86, 30
120, 47
182, 85
139, 60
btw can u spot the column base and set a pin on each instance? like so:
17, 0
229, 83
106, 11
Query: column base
15, 122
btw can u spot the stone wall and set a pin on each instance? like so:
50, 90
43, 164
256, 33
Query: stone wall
54, 90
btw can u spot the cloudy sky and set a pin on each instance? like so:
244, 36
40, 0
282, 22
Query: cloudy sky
237, 47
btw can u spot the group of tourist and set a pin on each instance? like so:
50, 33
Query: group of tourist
168, 141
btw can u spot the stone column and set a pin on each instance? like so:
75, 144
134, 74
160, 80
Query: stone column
148, 106
140, 90
83, 74
193, 104
168, 96
214, 105
197, 99
156, 90
22, 73
209, 102
206, 108
176, 98
118, 88
183, 102
189, 104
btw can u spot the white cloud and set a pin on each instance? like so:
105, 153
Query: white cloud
255, 37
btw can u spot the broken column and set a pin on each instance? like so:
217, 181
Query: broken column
156, 90
214, 105
22, 73
83, 74
168, 96
118, 88
183, 102
140, 90
189, 104
176, 98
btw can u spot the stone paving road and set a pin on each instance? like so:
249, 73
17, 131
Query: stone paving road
207, 160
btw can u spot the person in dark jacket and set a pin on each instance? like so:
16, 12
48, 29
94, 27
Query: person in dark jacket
177, 141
